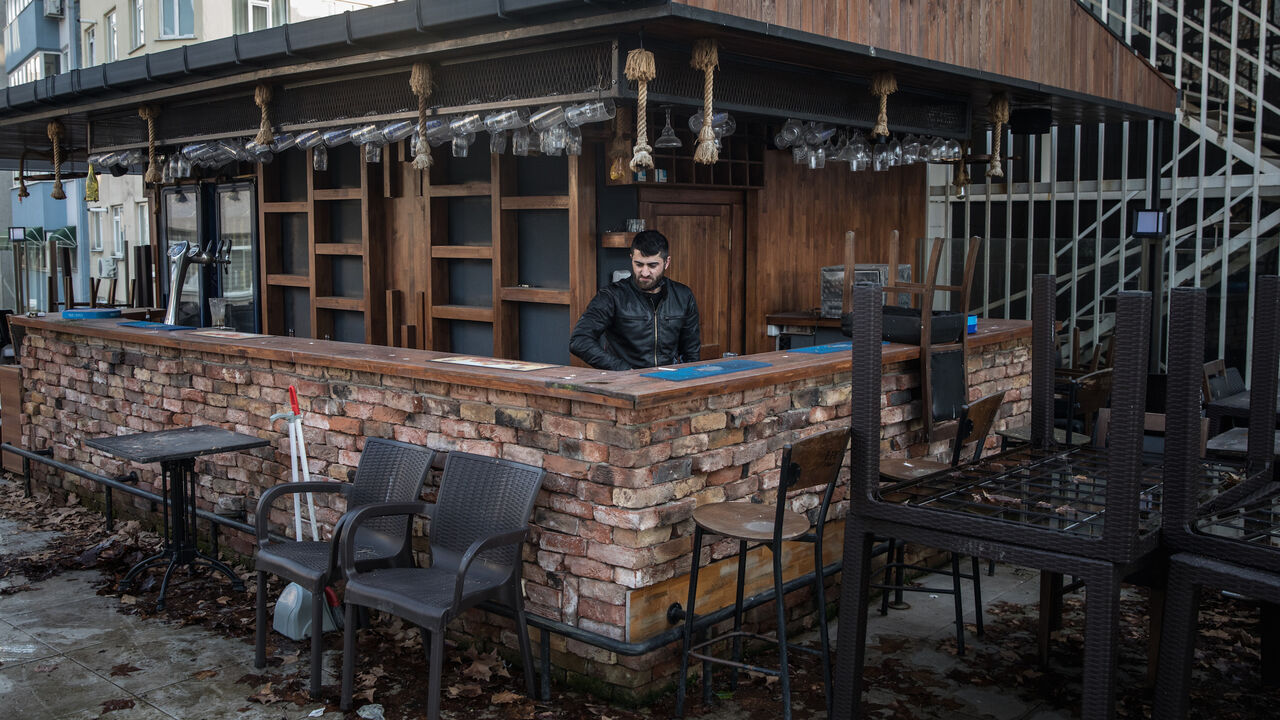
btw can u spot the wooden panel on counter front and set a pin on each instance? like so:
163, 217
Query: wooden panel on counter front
717, 582
11, 413
798, 225
1058, 44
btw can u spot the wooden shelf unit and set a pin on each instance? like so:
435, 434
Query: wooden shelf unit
502, 251
322, 247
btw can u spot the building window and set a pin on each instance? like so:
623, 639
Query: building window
259, 14
144, 223
112, 38
38, 66
90, 46
117, 230
95, 229
139, 25
177, 19
15, 8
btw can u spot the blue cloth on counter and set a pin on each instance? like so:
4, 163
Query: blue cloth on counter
694, 372
824, 349
151, 325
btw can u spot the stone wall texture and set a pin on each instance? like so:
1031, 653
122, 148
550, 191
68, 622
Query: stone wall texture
621, 483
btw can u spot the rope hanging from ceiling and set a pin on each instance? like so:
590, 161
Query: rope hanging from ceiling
150, 113
56, 132
262, 98
420, 84
706, 57
883, 85
999, 107
640, 70
22, 177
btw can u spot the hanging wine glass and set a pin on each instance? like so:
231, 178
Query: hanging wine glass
667, 138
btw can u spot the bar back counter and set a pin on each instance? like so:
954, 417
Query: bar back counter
628, 455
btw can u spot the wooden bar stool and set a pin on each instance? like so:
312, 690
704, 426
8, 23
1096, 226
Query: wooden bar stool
976, 420
807, 463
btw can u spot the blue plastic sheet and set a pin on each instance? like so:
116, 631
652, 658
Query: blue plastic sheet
693, 372
150, 325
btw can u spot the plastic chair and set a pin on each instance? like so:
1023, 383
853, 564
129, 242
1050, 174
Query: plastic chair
388, 471
807, 463
478, 524
976, 420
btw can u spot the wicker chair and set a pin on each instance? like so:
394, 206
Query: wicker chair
389, 471
1223, 536
478, 523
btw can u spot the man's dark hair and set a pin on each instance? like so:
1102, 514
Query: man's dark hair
650, 242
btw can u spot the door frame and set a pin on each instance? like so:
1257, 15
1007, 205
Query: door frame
737, 202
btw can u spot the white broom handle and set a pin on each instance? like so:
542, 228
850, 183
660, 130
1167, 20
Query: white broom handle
306, 474
293, 467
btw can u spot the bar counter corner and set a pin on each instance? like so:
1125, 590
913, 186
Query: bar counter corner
628, 456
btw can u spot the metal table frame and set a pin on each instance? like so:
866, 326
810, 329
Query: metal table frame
176, 451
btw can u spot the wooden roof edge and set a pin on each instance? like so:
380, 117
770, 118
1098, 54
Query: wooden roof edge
1127, 87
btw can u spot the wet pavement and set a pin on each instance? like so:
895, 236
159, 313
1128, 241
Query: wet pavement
67, 652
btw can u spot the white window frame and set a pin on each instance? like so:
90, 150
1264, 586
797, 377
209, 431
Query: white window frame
142, 215
90, 46
96, 224
111, 31
139, 24
174, 8
118, 240
265, 5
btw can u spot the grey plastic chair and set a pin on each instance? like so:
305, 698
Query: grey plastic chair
389, 471
478, 523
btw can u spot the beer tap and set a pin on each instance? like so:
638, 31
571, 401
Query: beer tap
184, 254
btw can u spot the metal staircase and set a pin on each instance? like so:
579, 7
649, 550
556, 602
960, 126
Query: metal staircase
1220, 179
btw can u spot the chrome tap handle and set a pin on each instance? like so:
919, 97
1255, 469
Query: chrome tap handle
179, 260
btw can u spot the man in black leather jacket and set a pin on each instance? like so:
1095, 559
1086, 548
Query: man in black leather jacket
645, 320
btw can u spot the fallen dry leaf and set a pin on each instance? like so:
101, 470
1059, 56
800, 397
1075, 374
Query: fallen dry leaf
505, 697
205, 674
120, 704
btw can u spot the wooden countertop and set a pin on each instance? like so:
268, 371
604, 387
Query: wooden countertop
626, 389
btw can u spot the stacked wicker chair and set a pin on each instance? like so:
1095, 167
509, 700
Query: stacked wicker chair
1077, 511
1224, 537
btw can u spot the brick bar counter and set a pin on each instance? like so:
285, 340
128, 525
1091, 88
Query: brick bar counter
628, 457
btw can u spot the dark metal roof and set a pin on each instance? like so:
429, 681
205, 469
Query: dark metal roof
350, 65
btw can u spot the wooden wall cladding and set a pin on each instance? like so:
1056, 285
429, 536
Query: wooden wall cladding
797, 225
1058, 44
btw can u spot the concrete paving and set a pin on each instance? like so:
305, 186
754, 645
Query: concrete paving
66, 652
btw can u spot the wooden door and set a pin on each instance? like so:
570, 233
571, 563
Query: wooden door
705, 232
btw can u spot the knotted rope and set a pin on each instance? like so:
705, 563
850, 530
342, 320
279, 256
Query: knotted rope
640, 70
999, 107
420, 84
150, 113
56, 132
261, 97
619, 148
22, 177
961, 180
883, 85
706, 57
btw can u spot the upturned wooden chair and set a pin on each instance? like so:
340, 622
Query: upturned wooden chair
975, 423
